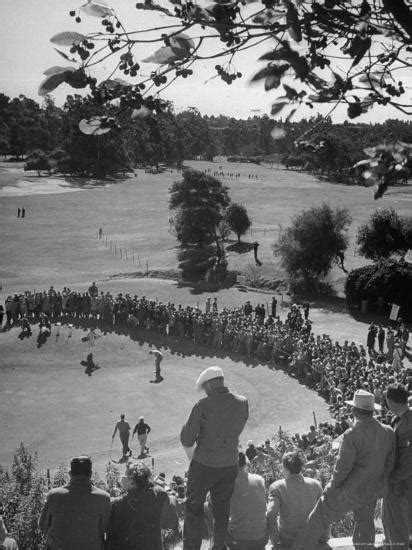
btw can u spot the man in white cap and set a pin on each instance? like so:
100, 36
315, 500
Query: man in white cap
365, 460
213, 429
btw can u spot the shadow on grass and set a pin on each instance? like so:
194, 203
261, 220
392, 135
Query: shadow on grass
179, 346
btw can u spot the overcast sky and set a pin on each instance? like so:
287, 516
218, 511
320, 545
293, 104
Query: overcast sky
26, 52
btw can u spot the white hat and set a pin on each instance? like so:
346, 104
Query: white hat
208, 374
364, 400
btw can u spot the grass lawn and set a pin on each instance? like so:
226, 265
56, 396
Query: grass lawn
48, 402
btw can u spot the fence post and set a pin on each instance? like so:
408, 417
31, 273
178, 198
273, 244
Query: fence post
121, 253
147, 268
115, 249
126, 254
48, 479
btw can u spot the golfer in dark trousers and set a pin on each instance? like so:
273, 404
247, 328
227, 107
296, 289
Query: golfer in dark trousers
213, 429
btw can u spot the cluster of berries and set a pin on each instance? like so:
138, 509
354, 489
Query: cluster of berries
226, 76
82, 49
158, 79
184, 72
393, 90
128, 65
108, 25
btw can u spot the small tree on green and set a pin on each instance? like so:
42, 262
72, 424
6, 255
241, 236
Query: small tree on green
385, 233
315, 241
238, 219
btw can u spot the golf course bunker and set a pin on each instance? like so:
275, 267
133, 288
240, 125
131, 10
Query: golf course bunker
41, 186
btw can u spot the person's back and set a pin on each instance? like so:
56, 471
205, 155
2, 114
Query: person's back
75, 517
224, 416
136, 516
247, 508
290, 502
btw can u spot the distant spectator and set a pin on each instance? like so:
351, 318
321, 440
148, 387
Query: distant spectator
247, 523
76, 516
135, 518
93, 290
123, 428
6, 543
290, 502
250, 451
268, 449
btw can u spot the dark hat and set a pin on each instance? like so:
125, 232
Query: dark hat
81, 465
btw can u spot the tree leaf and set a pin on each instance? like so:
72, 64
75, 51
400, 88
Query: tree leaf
66, 56
278, 133
97, 9
292, 19
67, 38
56, 70
277, 107
272, 81
163, 55
141, 112
290, 115
181, 44
51, 82
291, 93
93, 126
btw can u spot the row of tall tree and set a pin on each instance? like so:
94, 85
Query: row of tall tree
168, 137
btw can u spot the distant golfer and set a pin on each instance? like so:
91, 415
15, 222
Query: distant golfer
142, 429
92, 336
123, 428
158, 359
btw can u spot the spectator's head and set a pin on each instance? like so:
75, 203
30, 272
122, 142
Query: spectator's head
363, 404
122, 417
137, 476
210, 379
81, 466
141, 418
241, 460
397, 397
292, 463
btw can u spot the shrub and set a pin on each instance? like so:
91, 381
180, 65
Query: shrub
238, 219
388, 279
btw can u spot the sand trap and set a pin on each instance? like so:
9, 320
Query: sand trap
42, 186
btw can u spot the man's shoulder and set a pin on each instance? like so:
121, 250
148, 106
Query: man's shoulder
99, 492
237, 397
277, 485
58, 491
310, 481
255, 479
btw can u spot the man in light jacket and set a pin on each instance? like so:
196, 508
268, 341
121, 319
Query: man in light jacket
360, 476
213, 427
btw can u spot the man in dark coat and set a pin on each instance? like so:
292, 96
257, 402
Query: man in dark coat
76, 516
397, 504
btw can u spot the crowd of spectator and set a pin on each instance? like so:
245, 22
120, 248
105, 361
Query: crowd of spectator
332, 368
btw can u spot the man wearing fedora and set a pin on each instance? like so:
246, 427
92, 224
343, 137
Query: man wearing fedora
397, 503
212, 429
365, 460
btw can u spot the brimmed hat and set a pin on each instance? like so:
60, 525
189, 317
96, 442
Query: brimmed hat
208, 374
364, 400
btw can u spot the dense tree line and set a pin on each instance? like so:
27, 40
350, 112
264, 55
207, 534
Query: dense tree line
316, 144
